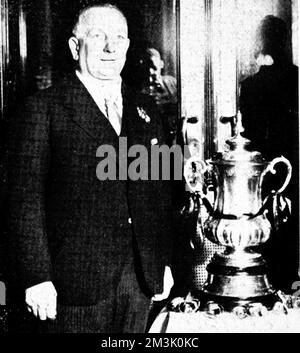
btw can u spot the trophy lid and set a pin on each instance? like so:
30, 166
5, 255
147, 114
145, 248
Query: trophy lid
237, 149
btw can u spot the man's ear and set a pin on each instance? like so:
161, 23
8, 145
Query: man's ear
74, 47
127, 44
269, 60
162, 63
264, 60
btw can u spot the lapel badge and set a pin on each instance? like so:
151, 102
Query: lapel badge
142, 113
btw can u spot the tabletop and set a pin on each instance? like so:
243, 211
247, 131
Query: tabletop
282, 320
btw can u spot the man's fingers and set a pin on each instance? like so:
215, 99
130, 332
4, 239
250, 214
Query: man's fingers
51, 308
45, 309
34, 310
164, 295
51, 313
41, 300
159, 297
31, 306
168, 283
156, 297
42, 312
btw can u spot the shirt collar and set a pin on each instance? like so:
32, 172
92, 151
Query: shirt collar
108, 89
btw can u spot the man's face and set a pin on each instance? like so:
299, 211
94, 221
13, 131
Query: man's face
103, 47
155, 67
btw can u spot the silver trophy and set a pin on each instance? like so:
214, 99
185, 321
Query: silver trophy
237, 220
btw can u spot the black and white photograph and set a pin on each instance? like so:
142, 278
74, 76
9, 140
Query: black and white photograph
149, 169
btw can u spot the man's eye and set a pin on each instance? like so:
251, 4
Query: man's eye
97, 35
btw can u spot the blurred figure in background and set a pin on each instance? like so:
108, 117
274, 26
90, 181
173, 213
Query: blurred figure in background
145, 73
269, 107
163, 88
269, 99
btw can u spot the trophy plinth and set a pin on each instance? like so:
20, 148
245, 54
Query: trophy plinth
238, 279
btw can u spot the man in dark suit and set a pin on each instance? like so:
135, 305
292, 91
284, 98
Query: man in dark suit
269, 107
269, 99
89, 254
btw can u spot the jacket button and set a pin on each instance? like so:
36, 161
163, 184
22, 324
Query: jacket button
129, 220
154, 141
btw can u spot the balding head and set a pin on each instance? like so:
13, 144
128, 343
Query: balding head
89, 15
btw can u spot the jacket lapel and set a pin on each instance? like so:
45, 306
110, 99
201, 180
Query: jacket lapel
84, 111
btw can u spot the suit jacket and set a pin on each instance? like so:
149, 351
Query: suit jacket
269, 107
65, 224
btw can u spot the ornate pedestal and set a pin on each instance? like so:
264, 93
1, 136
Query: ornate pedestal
231, 285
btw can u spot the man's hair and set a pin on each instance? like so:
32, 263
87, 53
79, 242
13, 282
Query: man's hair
80, 24
272, 37
150, 51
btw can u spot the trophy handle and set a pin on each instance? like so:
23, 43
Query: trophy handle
272, 170
193, 173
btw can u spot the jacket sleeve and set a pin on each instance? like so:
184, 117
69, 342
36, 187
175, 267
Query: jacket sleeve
28, 161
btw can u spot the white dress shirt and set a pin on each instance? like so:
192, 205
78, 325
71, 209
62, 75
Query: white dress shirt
102, 90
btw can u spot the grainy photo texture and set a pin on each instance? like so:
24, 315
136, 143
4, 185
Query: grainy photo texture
149, 167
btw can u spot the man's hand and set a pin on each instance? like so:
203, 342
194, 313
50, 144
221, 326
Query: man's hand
167, 285
41, 300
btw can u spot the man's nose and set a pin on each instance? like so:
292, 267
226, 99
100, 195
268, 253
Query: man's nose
110, 45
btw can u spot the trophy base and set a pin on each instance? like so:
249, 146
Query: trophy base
237, 278
229, 303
